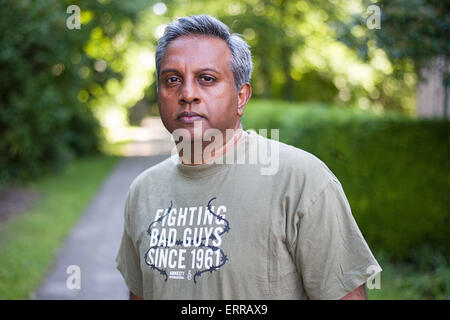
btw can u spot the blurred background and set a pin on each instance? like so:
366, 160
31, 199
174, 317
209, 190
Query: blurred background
363, 85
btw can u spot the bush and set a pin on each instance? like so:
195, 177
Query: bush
42, 124
47, 80
394, 169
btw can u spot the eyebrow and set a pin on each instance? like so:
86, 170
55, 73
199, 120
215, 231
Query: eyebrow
176, 71
169, 70
210, 69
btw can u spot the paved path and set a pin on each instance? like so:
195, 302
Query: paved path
93, 243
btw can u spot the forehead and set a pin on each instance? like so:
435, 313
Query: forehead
198, 52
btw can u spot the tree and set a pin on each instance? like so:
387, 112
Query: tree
48, 75
413, 34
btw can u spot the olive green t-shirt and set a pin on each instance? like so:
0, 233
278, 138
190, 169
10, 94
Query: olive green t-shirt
226, 231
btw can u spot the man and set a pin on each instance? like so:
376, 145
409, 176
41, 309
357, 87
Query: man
211, 229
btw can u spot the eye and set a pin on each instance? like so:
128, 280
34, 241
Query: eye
172, 79
207, 79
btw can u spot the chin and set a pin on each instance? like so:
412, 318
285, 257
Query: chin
188, 132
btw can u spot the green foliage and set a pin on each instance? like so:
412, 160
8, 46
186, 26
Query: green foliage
299, 54
415, 29
52, 79
48, 78
411, 31
394, 170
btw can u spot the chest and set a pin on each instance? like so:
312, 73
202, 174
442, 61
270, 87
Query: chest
231, 237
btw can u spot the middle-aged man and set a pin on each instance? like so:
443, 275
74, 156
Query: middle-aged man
218, 229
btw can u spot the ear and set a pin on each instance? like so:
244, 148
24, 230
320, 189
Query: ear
244, 94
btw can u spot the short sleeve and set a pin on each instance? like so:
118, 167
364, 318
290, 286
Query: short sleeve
128, 262
330, 252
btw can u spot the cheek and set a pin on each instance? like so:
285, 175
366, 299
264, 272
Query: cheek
222, 109
224, 96
166, 111
163, 96
165, 102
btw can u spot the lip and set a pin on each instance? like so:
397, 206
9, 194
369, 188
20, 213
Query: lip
189, 117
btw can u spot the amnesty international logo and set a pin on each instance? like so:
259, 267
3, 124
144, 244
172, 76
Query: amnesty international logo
185, 242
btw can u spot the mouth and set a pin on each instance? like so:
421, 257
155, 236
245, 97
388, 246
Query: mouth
189, 117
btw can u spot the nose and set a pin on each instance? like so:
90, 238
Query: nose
188, 93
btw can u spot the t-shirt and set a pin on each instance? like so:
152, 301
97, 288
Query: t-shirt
229, 231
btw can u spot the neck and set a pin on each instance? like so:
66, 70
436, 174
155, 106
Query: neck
211, 150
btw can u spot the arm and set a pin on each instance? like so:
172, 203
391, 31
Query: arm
331, 254
135, 297
357, 294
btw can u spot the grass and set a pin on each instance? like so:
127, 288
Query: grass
30, 241
115, 148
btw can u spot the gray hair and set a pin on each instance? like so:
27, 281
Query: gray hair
241, 64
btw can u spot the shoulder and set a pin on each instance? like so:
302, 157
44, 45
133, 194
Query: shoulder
145, 181
144, 186
305, 163
296, 160
303, 172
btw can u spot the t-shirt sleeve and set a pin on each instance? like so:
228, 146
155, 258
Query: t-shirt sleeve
330, 252
128, 261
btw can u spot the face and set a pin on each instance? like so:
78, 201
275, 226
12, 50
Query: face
196, 84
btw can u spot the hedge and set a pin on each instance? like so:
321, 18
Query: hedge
395, 170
